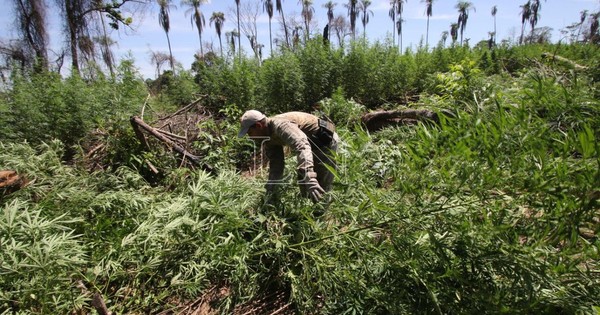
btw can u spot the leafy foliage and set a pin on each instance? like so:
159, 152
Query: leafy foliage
44, 106
494, 209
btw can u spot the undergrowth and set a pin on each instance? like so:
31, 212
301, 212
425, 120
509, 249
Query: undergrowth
493, 210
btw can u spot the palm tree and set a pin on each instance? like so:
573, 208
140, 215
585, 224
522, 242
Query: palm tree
492, 40
158, 58
78, 18
525, 14
237, 3
364, 8
352, 13
307, 13
536, 6
268, 6
163, 19
230, 36
463, 15
454, 32
429, 12
279, 8
196, 18
399, 28
76, 25
444, 38
218, 18
105, 43
397, 6
494, 11
392, 15
296, 36
329, 5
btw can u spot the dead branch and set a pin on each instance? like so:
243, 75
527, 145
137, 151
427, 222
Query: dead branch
144, 106
99, 305
172, 135
184, 109
97, 300
152, 167
94, 150
139, 134
139, 123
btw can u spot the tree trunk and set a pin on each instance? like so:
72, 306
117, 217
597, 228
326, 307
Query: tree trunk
375, 121
72, 24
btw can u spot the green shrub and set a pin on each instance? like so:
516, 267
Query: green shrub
320, 71
488, 211
45, 106
282, 85
178, 90
343, 113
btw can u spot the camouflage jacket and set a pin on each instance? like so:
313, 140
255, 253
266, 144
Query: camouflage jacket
295, 130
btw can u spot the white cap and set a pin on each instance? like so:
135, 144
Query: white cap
248, 120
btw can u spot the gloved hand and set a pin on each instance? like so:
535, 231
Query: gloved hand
310, 187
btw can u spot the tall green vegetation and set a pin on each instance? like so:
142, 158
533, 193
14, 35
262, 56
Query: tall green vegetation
492, 209
45, 106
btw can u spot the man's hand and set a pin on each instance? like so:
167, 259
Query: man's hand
311, 188
315, 191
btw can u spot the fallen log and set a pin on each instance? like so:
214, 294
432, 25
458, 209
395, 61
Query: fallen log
564, 60
139, 124
10, 182
375, 121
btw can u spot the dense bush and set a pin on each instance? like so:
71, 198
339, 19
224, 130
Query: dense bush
44, 106
282, 85
493, 210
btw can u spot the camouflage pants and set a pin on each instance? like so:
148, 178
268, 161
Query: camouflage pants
322, 159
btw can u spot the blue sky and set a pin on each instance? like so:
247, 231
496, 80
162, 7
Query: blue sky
148, 35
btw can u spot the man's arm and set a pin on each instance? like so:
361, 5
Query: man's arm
293, 137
